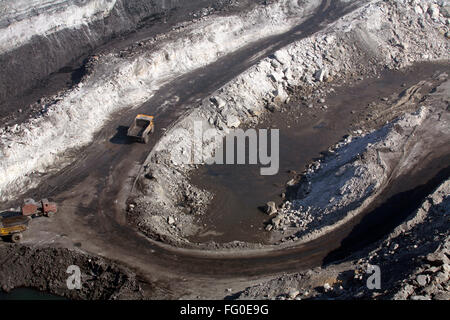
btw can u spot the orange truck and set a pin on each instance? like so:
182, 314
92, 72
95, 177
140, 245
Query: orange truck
14, 223
35, 209
141, 128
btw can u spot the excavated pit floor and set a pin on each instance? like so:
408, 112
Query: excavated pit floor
239, 190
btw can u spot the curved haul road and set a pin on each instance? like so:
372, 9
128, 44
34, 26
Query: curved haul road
92, 191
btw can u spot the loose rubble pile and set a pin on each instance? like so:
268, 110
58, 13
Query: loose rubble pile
176, 207
100, 279
431, 279
413, 261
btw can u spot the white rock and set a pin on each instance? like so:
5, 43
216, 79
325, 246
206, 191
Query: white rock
219, 102
271, 208
293, 293
418, 10
277, 76
433, 10
232, 121
280, 95
321, 74
283, 57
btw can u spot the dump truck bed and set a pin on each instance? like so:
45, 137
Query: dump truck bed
141, 127
13, 227
14, 221
137, 128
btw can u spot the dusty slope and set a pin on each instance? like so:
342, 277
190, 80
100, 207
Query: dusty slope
101, 279
45, 43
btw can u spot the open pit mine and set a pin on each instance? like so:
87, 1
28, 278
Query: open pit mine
225, 150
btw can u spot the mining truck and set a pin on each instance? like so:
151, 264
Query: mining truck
141, 128
11, 228
36, 209
15, 221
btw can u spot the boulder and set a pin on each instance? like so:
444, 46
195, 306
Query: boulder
275, 64
233, 121
437, 259
441, 277
271, 208
327, 287
433, 10
422, 280
418, 10
283, 57
276, 222
218, 101
443, 295
420, 297
277, 76
254, 112
321, 75
272, 107
291, 182
293, 293
445, 11
280, 95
